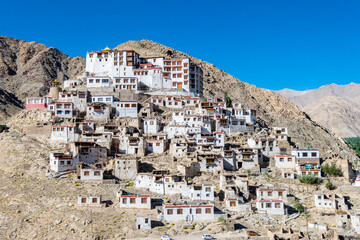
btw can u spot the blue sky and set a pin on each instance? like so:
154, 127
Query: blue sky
299, 44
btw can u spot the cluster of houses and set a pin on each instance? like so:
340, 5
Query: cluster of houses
125, 108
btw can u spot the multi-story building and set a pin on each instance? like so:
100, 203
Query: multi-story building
152, 73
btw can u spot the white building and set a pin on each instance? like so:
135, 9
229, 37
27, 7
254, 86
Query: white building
248, 114
62, 109
127, 109
90, 173
269, 146
280, 133
285, 161
151, 125
272, 207
204, 192
330, 201
126, 83
60, 162
98, 112
271, 200
152, 73
78, 98
106, 99
187, 213
70, 83
90, 201
126, 167
134, 201
64, 134
98, 82
355, 220
143, 222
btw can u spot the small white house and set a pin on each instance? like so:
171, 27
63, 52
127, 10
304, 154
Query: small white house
285, 161
98, 112
90, 173
134, 201
236, 204
187, 213
127, 109
330, 201
271, 193
355, 220
204, 192
151, 125
248, 114
90, 201
62, 109
64, 134
98, 82
271, 207
280, 133
126, 167
143, 222
60, 162
155, 146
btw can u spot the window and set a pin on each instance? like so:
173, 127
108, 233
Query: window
143, 200
108, 99
269, 194
207, 189
83, 200
86, 173
169, 211
289, 159
179, 211
94, 200
280, 194
146, 220
198, 211
97, 173
207, 210
105, 80
313, 154
277, 205
268, 205
305, 154
281, 159
68, 162
132, 200
62, 162
97, 80
133, 105
91, 80
158, 144
100, 99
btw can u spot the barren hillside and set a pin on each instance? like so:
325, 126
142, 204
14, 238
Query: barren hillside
333, 106
28, 68
273, 109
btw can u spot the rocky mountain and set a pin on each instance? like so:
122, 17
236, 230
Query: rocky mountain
9, 104
273, 109
28, 69
333, 106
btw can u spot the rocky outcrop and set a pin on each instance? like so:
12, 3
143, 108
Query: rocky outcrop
273, 109
28, 68
9, 105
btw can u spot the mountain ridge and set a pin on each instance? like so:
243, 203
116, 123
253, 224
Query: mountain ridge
312, 99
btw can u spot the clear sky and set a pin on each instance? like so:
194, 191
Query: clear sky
274, 44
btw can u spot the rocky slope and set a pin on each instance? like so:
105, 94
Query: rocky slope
28, 68
343, 101
9, 105
273, 109
336, 113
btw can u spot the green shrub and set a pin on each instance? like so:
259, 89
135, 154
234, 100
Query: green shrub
298, 207
332, 170
222, 220
310, 179
329, 185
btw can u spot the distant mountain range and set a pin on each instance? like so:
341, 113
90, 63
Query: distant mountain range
336, 107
